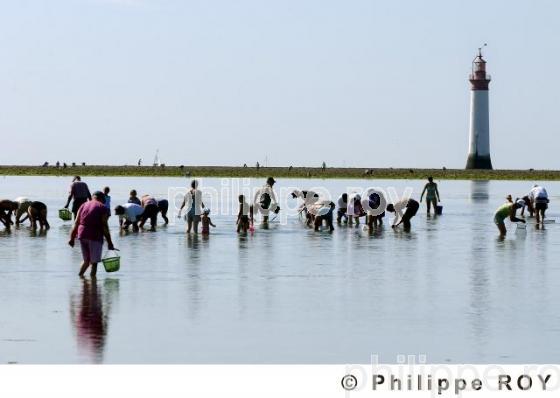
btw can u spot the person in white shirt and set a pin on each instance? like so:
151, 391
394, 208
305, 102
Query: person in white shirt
129, 214
375, 203
342, 208
265, 200
539, 199
193, 202
410, 207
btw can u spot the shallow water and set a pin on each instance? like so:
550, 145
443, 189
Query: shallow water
449, 289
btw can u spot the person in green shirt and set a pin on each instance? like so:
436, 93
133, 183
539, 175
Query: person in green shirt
432, 194
506, 210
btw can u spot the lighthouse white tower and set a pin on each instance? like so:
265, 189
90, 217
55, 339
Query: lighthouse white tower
479, 135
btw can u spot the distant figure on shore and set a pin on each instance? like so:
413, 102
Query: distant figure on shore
133, 198
7, 207
265, 200
432, 195
106, 192
129, 214
140, 162
324, 166
539, 201
206, 222
37, 213
342, 208
506, 210
23, 206
193, 202
79, 193
151, 211
163, 207
258, 166
90, 228
410, 207
244, 215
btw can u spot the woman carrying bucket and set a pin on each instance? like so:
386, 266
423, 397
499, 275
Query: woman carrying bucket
432, 195
90, 228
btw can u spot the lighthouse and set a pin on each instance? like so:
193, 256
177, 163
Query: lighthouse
479, 134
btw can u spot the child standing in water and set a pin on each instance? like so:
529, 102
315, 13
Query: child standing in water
106, 191
206, 222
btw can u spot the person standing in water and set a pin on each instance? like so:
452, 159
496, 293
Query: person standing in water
129, 214
244, 215
79, 194
265, 200
37, 213
7, 207
432, 194
410, 207
206, 222
193, 202
163, 207
90, 227
374, 202
133, 198
539, 200
106, 191
342, 208
506, 210
151, 211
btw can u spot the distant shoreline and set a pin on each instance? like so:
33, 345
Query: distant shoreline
282, 172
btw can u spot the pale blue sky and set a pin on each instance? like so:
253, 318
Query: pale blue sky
357, 83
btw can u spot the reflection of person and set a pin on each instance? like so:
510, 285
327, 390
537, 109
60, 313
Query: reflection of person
79, 193
90, 228
432, 194
89, 320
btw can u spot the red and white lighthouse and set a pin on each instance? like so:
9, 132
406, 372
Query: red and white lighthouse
479, 135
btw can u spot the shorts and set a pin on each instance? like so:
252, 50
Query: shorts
191, 216
498, 220
77, 204
91, 250
541, 204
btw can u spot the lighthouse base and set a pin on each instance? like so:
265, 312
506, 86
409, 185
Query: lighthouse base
475, 161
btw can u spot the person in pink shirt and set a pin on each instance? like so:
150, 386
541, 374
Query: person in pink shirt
90, 228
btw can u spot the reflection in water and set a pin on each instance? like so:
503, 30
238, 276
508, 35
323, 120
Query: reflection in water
479, 190
479, 292
90, 316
